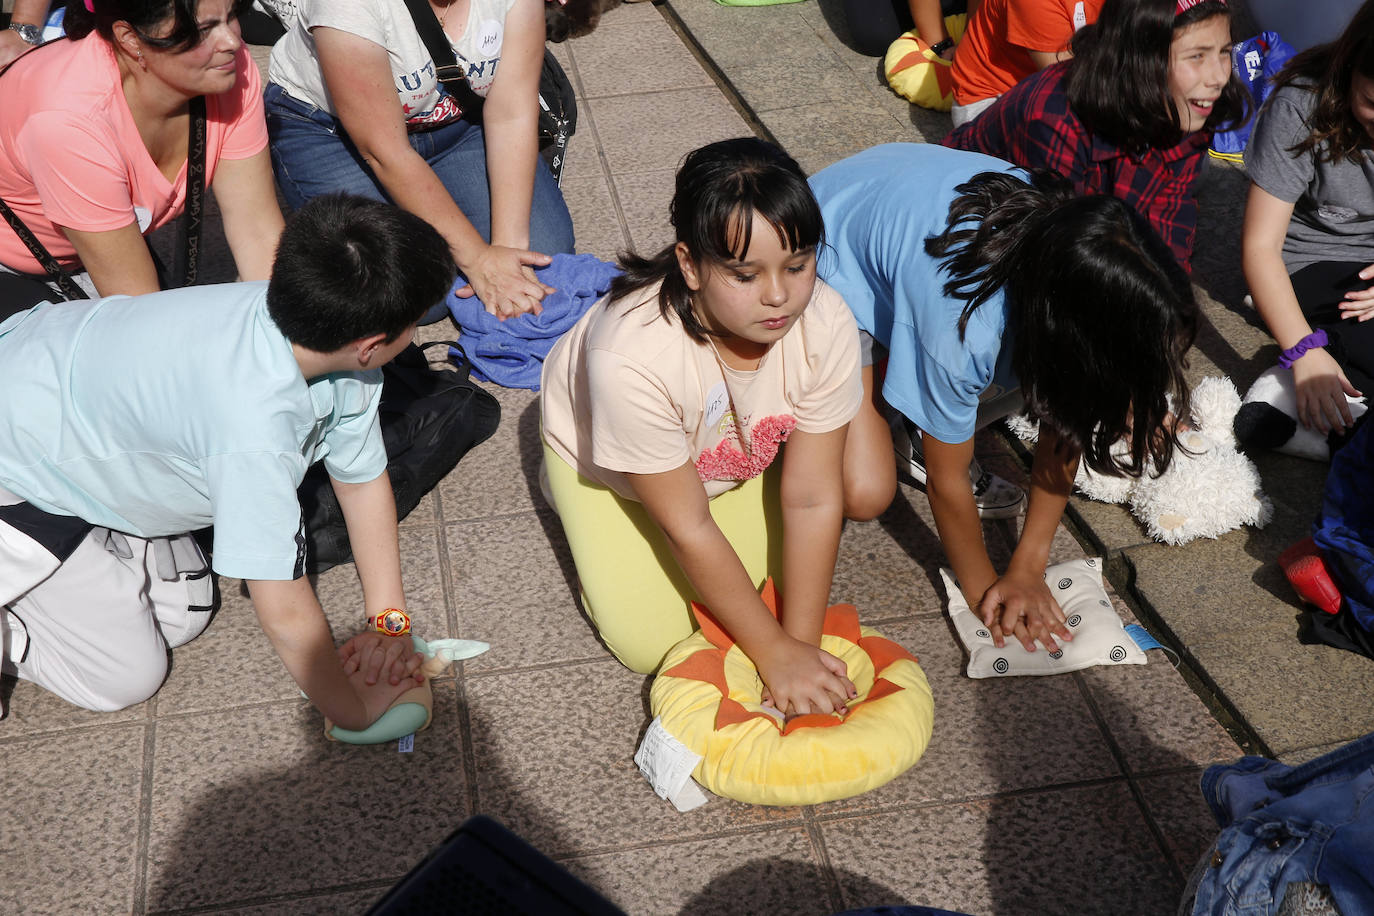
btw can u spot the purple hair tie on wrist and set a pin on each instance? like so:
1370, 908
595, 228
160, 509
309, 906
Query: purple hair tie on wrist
1290, 356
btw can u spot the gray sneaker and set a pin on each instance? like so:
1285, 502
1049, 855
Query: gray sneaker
994, 496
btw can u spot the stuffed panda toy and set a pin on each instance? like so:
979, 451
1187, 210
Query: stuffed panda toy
1268, 419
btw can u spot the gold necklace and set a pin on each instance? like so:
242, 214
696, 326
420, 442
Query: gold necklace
711, 339
720, 357
444, 15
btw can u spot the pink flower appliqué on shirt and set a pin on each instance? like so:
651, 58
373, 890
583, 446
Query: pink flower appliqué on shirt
726, 462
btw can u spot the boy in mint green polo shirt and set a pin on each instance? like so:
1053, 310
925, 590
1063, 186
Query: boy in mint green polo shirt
129, 421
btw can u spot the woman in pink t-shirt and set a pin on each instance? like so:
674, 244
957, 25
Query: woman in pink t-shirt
94, 138
665, 410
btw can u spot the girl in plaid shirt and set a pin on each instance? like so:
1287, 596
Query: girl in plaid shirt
1130, 115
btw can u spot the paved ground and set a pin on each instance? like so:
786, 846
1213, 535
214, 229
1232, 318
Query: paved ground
1074, 794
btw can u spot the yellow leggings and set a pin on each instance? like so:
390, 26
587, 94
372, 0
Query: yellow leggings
632, 587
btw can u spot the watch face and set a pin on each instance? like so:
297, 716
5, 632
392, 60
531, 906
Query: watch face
394, 622
32, 34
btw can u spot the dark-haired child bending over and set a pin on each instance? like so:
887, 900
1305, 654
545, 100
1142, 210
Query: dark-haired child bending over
997, 282
698, 432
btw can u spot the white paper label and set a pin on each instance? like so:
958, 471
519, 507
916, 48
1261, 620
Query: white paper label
489, 37
406, 744
668, 764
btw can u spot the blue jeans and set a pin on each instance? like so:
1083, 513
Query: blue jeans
1280, 824
312, 155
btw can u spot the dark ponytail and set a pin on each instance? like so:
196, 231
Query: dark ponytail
988, 222
1100, 313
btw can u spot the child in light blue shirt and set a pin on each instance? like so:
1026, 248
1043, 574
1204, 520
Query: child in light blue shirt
981, 279
130, 421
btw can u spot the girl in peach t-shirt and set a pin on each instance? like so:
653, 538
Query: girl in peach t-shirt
94, 137
665, 410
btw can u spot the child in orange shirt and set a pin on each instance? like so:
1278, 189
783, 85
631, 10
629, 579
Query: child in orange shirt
1008, 40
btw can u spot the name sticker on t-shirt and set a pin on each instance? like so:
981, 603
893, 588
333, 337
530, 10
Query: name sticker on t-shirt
489, 37
1080, 16
717, 402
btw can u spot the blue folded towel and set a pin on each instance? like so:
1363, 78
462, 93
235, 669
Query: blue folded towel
511, 352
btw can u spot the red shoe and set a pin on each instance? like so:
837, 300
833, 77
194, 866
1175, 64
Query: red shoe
1306, 571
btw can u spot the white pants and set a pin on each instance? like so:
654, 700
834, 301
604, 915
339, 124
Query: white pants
94, 628
962, 114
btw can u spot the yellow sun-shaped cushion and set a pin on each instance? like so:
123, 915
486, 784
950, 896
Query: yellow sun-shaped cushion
708, 695
917, 73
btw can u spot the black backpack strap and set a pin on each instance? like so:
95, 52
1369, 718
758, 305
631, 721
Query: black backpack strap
188, 257
64, 280
457, 357
557, 114
446, 66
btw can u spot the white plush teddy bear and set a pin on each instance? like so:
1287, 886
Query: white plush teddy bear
1268, 418
1209, 489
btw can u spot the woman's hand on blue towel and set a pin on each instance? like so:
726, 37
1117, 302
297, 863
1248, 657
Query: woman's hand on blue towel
503, 279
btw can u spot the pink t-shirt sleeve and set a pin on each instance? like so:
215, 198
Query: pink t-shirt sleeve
78, 170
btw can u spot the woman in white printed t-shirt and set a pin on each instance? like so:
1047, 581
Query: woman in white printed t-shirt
354, 105
665, 412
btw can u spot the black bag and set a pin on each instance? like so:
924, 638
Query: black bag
557, 100
557, 114
430, 418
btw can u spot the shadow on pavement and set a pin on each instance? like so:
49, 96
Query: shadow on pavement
294, 833
724, 895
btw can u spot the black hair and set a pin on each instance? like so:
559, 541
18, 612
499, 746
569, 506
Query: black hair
1101, 314
572, 18
1118, 78
144, 17
720, 187
348, 267
1328, 71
